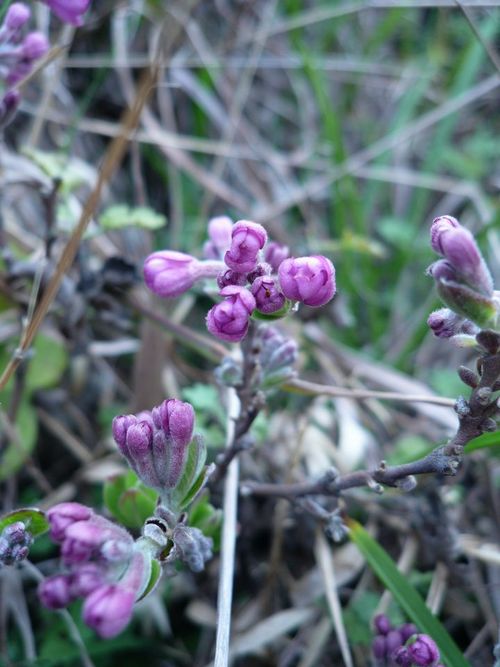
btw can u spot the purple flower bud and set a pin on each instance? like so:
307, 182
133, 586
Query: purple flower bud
17, 15
16, 533
176, 419
459, 247
85, 579
267, 295
408, 630
83, 539
55, 592
61, 516
382, 624
35, 45
379, 648
169, 273
393, 641
108, 610
262, 269
229, 320
275, 253
219, 233
401, 657
69, 11
247, 239
423, 651
230, 277
120, 426
308, 279
139, 443
8, 107
444, 323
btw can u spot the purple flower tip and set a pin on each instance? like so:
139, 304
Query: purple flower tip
54, 592
458, 246
219, 234
169, 273
247, 239
229, 320
268, 297
69, 11
17, 15
63, 515
308, 279
176, 418
382, 624
108, 610
423, 651
275, 253
35, 46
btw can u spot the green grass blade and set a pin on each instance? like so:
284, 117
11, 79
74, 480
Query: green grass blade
406, 596
482, 442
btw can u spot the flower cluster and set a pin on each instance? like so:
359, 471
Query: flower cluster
159, 446
15, 541
403, 646
18, 53
104, 566
464, 283
252, 277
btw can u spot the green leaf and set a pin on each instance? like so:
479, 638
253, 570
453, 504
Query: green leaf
19, 448
46, 364
482, 442
33, 518
407, 597
128, 500
196, 457
120, 216
153, 579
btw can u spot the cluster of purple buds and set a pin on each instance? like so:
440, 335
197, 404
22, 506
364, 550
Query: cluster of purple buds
15, 542
463, 280
252, 277
18, 53
69, 11
103, 564
159, 446
402, 646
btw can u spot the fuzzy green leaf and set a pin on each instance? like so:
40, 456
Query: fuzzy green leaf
34, 520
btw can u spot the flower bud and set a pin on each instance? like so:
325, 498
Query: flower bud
55, 592
268, 297
459, 247
176, 419
382, 624
169, 273
401, 657
15, 541
61, 516
8, 107
308, 279
230, 277
108, 610
275, 253
379, 649
407, 630
192, 547
17, 15
86, 579
229, 320
69, 11
35, 45
247, 239
423, 651
444, 323
219, 234
393, 641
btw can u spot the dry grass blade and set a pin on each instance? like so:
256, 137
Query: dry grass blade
325, 562
111, 161
315, 389
230, 507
